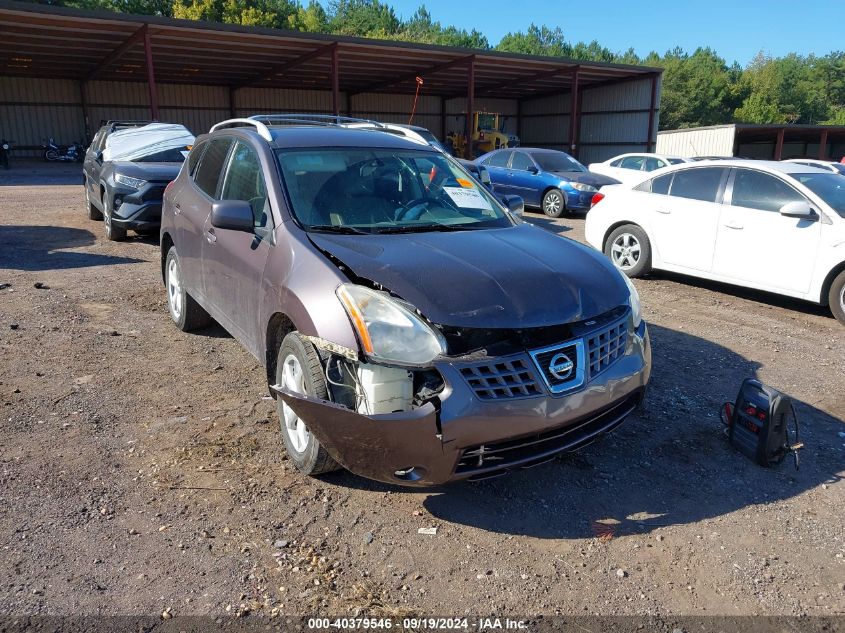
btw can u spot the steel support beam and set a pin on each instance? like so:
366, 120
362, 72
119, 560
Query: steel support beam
83, 101
424, 73
137, 37
574, 119
779, 145
651, 110
823, 145
151, 78
470, 106
548, 74
335, 82
291, 64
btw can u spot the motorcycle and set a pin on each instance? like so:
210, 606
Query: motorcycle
62, 153
5, 150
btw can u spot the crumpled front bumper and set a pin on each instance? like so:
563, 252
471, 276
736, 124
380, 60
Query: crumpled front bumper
463, 437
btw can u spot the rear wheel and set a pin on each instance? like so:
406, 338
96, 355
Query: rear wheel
113, 233
553, 203
93, 212
298, 369
186, 313
629, 250
836, 297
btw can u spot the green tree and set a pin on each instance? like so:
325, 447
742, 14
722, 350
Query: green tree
538, 40
365, 18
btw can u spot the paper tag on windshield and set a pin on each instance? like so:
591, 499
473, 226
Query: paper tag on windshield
468, 198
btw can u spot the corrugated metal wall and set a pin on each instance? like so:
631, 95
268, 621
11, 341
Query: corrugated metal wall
711, 141
33, 109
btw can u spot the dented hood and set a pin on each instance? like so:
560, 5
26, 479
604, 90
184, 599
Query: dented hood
516, 277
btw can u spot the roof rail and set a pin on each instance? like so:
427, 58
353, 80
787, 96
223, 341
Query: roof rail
230, 123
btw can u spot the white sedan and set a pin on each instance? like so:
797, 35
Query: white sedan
773, 226
634, 168
827, 165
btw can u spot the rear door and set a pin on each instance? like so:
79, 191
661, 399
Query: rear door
91, 167
233, 261
756, 243
685, 221
191, 208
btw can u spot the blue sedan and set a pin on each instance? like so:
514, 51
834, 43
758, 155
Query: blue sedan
550, 180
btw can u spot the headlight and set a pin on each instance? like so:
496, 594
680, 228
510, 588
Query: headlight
634, 301
387, 330
129, 181
580, 186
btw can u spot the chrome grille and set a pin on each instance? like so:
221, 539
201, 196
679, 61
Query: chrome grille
501, 380
606, 346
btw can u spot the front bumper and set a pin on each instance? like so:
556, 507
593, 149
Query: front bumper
460, 436
578, 200
139, 209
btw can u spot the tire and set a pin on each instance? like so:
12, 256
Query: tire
302, 447
93, 212
51, 155
186, 313
113, 233
629, 250
836, 297
554, 203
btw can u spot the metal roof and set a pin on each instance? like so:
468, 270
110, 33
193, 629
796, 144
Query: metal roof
58, 42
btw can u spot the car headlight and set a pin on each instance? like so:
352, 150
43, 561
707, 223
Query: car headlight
634, 301
581, 186
387, 330
129, 181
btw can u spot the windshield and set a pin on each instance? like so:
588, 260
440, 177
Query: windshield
829, 187
557, 161
174, 155
676, 161
351, 190
487, 121
839, 167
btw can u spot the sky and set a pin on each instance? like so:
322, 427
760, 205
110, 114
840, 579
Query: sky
737, 30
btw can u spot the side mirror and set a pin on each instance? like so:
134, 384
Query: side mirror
798, 209
234, 215
515, 204
99, 156
484, 175
533, 170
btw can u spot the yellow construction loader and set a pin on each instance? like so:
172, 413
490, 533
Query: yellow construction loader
486, 136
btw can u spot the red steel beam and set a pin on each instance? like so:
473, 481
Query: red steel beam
151, 79
823, 145
138, 36
335, 83
779, 145
291, 64
548, 74
470, 106
408, 77
574, 119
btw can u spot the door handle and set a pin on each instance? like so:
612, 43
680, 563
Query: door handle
733, 225
664, 211
211, 236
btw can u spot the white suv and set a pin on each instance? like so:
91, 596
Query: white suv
773, 226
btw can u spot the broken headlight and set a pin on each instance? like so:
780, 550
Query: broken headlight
387, 330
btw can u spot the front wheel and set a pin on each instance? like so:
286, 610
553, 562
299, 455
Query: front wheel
51, 155
113, 233
553, 203
836, 297
629, 250
186, 313
298, 369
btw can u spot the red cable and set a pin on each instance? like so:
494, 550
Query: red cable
416, 96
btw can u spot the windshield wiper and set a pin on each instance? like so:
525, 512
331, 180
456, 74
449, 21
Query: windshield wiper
425, 228
337, 228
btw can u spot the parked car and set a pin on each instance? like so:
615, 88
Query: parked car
412, 329
773, 226
634, 168
547, 179
827, 165
133, 170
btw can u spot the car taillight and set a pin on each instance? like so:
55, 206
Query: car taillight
170, 184
597, 197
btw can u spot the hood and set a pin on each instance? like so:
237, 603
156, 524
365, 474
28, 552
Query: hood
148, 171
518, 277
588, 178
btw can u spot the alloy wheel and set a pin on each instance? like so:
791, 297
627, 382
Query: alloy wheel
293, 380
625, 251
552, 203
174, 289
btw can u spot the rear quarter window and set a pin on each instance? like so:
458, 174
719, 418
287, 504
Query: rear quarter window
194, 157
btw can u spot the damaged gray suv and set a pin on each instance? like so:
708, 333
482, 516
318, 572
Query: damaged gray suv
413, 328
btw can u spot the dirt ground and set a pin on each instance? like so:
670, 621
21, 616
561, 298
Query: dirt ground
142, 471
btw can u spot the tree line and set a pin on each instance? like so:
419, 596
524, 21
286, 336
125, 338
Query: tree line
699, 88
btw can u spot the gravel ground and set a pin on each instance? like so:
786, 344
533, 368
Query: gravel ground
142, 472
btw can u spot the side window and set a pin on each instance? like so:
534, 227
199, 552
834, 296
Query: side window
208, 172
499, 159
245, 181
756, 190
616, 163
194, 157
661, 184
697, 184
521, 162
632, 162
652, 163
95, 144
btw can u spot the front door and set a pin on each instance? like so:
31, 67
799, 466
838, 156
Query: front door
234, 261
523, 179
756, 243
685, 221
497, 166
